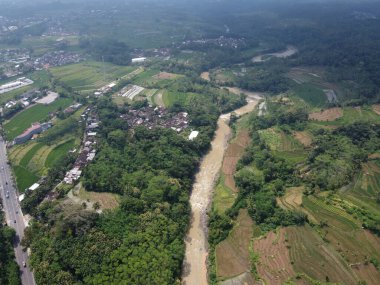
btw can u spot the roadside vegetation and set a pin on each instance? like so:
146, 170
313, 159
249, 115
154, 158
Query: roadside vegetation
9, 273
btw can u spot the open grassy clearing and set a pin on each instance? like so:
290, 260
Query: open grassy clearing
37, 113
232, 254
90, 75
106, 200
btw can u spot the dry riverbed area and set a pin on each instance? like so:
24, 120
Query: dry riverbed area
195, 263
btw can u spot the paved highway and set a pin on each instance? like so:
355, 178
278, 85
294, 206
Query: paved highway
13, 214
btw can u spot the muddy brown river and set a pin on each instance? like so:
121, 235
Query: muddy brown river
195, 263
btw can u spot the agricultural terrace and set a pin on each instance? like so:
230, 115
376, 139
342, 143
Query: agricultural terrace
88, 76
344, 116
32, 160
283, 145
37, 113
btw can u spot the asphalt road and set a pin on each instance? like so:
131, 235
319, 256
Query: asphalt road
13, 213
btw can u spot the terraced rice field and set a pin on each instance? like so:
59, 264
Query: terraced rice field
278, 141
274, 266
311, 255
58, 152
32, 160
232, 254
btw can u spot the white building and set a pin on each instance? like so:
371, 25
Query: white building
34, 187
138, 59
193, 135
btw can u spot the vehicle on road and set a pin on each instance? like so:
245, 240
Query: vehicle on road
24, 264
14, 221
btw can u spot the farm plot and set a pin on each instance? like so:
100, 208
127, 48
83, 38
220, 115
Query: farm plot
292, 200
32, 160
347, 238
314, 257
232, 254
37, 113
348, 115
327, 115
274, 266
224, 197
234, 152
304, 138
166, 76
366, 189
58, 152
277, 140
311, 94
146, 78
90, 75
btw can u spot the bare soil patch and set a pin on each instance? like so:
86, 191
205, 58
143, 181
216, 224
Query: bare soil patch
165, 75
304, 138
243, 279
232, 254
327, 115
205, 75
376, 108
275, 266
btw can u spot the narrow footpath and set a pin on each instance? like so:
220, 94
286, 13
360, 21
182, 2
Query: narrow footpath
195, 263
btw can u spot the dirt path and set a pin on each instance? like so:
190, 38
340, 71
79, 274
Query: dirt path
195, 263
158, 99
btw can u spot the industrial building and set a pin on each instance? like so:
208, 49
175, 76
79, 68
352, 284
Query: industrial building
35, 129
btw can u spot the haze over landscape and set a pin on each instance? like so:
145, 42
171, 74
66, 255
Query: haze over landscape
189, 142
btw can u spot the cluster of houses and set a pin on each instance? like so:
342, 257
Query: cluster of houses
72, 108
105, 89
153, 117
221, 42
88, 149
56, 58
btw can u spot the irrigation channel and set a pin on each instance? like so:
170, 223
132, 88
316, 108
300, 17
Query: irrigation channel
195, 263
